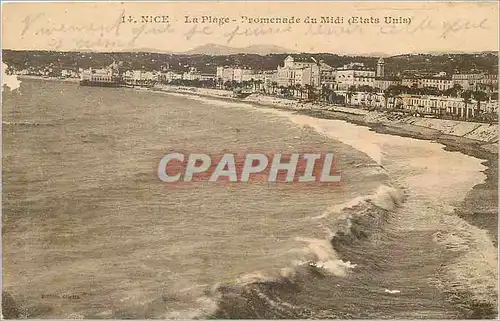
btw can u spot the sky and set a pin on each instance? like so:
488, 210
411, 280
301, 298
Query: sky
363, 29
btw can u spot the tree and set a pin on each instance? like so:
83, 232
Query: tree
326, 93
274, 86
458, 88
251, 84
479, 96
430, 91
451, 92
220, 82
282, 90
258, 84
466, 96
350, 92
366, 88
298, 88
310, 91
414, 90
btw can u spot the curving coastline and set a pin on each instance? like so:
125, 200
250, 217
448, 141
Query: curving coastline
468, 285
351, 242
482, 144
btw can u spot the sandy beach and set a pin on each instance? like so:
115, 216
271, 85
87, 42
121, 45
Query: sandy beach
480, 207
239, 161
71, 80
459, 253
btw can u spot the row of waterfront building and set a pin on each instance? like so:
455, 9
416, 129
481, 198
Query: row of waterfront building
354, 84
309, 72
360, 86
296, 71
454, 107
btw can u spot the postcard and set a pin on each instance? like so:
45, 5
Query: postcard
250, 160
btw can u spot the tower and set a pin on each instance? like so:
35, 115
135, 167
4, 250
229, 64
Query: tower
380, 68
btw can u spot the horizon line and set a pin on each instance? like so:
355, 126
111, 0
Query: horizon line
361, 54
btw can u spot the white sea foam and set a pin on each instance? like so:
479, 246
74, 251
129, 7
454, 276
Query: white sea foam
10, 81
325, 257
384, 197
392, 291
252, 278
336, 209
437, 181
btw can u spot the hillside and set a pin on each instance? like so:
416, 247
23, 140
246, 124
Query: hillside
401, 64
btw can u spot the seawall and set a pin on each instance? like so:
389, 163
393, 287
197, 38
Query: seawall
487, 133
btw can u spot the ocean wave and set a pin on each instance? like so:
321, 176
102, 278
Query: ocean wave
369, 236
25, 123
474, 270
325, 258
362, 223
384, 197
353, 220
241, 298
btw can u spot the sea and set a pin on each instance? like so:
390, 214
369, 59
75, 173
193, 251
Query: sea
89, 231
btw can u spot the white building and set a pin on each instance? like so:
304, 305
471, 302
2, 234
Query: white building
468, 81
327, 75
490, 81
99, 75
237, 74
384, 83
446, 105
170, 75
225, 74
208, 77
441, 83
366, 99
354, 75
299, 71
192, 74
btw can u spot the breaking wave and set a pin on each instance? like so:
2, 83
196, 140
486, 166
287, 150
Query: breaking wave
383, 256
259, 296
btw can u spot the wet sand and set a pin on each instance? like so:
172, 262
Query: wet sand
480, 208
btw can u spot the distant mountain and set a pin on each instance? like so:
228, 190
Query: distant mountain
220, 50
449, 53
371, 54
146, 50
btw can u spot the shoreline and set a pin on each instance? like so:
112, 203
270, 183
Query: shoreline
473, 208
70, 80
479, 208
